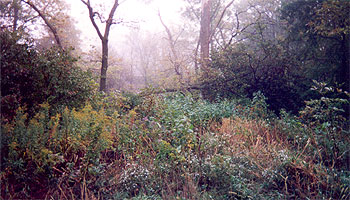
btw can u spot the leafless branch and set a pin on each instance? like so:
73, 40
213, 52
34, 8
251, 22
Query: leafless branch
193, 10
92, 19
110, 17
51, 27
238, 30
172, 47
221, 17
99, 16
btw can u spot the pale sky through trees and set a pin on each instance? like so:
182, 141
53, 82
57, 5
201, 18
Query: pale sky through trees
135, 14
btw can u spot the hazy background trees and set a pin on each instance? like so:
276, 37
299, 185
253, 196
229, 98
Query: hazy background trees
283, 46
224, 48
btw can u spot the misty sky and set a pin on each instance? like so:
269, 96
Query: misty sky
135, 13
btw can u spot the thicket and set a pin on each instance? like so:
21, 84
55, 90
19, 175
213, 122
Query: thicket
177, 146
30, 77
245, 69
280, 55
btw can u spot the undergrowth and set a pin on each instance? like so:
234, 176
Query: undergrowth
178, 147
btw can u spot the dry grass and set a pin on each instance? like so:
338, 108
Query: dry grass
266, 148
252, 139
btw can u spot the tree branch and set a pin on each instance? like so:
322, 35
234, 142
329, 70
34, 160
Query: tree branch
92, 19
172, 47
52, 28
110, 18
200, 86
221, 17
193, 10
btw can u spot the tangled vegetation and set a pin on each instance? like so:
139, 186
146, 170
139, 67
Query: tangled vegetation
178, 147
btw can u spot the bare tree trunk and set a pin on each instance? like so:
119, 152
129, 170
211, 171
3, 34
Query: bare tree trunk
205, 37
15, 14
104, 39
104, 67
196, 68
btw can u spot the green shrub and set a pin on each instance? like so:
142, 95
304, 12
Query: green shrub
319, 138
54, 155
30, 77
327, 117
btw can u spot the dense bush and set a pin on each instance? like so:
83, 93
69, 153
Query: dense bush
48, 153
240, 72
30, 77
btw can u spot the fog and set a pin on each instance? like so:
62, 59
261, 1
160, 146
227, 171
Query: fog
134, 15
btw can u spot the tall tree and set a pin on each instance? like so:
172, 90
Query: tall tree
220, 23
319, 34
205, 36
332, 21
104, 38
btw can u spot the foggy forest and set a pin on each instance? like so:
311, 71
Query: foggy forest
175, 99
